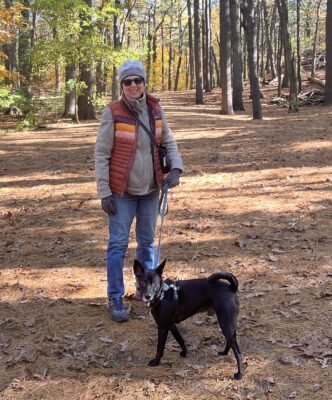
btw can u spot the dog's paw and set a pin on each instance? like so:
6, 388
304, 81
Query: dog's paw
183, 353
238, 376
153, 363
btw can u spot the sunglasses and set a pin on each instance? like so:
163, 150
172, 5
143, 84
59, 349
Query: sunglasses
137, 81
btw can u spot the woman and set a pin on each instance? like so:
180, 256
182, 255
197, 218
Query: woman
129, 176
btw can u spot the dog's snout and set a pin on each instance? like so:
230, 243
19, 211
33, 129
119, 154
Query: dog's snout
147, 297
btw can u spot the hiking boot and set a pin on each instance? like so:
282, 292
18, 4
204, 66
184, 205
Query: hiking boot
117, 310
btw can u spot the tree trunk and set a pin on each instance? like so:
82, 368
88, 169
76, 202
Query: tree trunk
116, 45
198, 62
314, 46
24, 50
226, 62
237, 78
190, 43
162, 60
70, 99
268, 37
170, 56
84, 101
258, 32
279, 57
328, 66
85, 107
298, 44
216, 66
11, 51
207, 46
100, 87
180, 49
57, 70
244, 52
252, 62
283, 14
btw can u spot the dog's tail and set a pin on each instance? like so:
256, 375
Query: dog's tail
225, 275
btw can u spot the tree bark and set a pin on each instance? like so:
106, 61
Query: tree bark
85, 105
237, 70
116, 45
190, 43
226, 63
328, 66
170, 56
180, 50
198, 62
283, 14
298, 44
314, 46
252, 61
216, 66
25, 40
207, 46
70, 99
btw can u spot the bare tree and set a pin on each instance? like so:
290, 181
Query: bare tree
314, 44
289, 60
252, 61
225, 64
190, 44
198, 62
328, 67
237, 70
298, 43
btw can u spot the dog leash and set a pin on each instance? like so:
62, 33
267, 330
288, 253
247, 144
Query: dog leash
163, 209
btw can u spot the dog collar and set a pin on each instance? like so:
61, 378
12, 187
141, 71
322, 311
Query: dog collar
163, 289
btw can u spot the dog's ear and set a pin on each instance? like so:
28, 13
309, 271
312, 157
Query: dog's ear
160, 268
138, 268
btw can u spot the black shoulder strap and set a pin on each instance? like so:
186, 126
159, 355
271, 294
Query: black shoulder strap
151, 136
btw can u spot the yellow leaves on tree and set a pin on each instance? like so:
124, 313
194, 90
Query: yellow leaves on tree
10, 19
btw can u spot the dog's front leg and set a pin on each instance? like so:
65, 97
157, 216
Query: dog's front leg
178, 337
162, 337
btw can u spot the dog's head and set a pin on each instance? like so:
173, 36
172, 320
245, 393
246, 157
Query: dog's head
149, 281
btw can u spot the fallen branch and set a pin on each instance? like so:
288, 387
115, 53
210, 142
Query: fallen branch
316, 80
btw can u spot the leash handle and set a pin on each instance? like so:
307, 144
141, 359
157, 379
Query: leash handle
163, 209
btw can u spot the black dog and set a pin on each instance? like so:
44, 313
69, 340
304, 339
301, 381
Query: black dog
173, 302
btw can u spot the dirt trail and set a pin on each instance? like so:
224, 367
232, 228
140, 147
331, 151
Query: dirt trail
255, 200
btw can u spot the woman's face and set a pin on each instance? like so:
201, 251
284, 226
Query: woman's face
133, 86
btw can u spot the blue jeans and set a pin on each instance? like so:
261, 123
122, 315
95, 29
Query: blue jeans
145, 209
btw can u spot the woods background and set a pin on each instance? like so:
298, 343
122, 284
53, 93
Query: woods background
59, 57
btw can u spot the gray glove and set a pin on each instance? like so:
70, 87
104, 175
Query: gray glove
172, 179
109, 205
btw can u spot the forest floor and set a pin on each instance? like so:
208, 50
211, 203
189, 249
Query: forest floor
254, 200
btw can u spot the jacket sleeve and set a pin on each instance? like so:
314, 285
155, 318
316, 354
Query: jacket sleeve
169, 142
103, 153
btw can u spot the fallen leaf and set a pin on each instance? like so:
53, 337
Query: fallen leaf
293, 290
296, 362
29, 323
183, 373
240, 243
105, 339
124, 345
273, 258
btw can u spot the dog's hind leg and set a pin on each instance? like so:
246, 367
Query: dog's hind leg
238, 356
178, 337
229, 331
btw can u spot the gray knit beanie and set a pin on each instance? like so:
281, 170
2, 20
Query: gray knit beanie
131, 67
